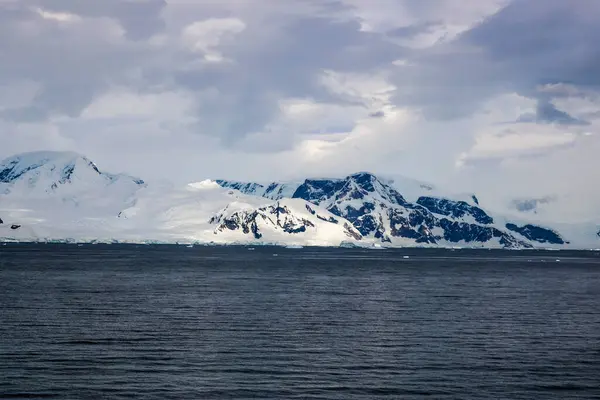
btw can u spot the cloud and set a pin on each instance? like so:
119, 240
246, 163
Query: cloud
57, 16
124, 104
546, 112
289, 63
523, 45
515, 142
461, 94
70, 63
140, 19
18, 94
205, 36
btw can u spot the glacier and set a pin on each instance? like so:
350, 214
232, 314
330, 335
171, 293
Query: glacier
63, 196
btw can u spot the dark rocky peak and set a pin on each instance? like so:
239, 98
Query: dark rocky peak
537, 233
362, 185
364, 180
350, 192
454, 209
318, 190
370, 183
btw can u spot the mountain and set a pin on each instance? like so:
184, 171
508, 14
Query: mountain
206, 212
65, 196
273, 191
48, 172
45, 190
378, 209
312, 225
411, 189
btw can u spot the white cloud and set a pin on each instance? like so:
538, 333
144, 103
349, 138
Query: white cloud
586, 108
448, 18
518, 141
63, 17
308, 116
371, 90
205, 36
497, 134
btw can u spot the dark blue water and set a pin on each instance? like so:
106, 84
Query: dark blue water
227, 323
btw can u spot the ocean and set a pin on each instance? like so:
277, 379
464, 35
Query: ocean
171, 322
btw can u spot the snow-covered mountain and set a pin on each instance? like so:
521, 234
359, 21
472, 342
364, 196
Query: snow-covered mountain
46, 172
65, 196
58, 186
379, 210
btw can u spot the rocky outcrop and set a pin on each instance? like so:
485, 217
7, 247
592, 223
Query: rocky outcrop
537, 233
242, 220
455, 209
278, 217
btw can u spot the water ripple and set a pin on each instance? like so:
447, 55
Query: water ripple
223, 323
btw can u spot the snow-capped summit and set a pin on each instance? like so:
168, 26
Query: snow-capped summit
46, 191
354, 187
48, 172
379, 209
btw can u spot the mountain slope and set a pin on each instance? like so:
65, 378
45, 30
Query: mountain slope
273, 190
379, 211
206, 212
40, 173
55, 187
64, 196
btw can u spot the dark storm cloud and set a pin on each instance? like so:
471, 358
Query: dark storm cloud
414, 30
547, 112
550, 41
377, 114
526, 44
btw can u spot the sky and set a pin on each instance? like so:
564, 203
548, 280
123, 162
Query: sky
500, 97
